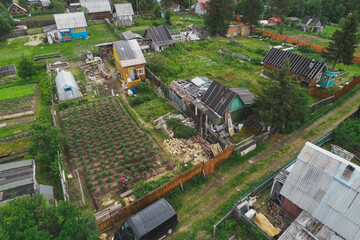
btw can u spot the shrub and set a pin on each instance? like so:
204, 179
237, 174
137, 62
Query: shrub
100, 180
93, 189
97, 176
102, 187
181, 130
136, 174
109, 185
109, 179
111, 164
103, 173
90, 184
121, 162
142, 166
120, 169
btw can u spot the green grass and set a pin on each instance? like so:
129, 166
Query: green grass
154, 108
38, 17
98, 33
15, 129
14, 92
14, 146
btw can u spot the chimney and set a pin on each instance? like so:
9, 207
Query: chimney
348, 172
312, 64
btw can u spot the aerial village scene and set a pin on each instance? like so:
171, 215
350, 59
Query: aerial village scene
179, 119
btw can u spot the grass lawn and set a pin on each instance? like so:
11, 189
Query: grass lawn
38, 17
98, 33
14, 92
14, 146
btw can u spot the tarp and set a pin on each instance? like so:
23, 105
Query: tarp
264, 224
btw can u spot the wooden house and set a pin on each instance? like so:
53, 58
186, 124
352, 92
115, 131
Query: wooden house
123, 14
97, 9
70, 26
200, 7
274, 21
311, 72
312, 24
16, 9
45, 4
238, 28
130, 61
175, 7
160, 38
320, 191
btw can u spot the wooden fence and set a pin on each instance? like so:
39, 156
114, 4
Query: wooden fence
318, 93
107, 218
298, 42
346, 88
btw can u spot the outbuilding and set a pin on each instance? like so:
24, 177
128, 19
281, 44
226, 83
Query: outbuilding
7, 70
160, 38
16, 9
200, 7
312, 24
123, 14
70, 26
97, 9
66, 86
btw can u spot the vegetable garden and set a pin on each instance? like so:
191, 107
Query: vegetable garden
104, 143
16, 99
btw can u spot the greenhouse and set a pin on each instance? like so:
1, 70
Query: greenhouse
67, 87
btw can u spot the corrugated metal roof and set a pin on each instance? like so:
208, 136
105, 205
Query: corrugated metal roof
317, 186
305, 227
301, 65
96, 6
45, 3
124, 9
128, 35
245, 95
159, 35
8, 70
70, 20
307, 20
129, 53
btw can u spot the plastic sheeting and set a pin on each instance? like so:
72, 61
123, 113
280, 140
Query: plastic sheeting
264, 224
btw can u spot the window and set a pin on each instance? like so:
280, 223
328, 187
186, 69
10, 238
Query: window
140, 71
319, 77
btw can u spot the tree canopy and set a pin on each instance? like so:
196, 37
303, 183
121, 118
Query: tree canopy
218, 15
6, 22
347, 135
26, 68
282, 103
342, 46
34, 218
250, 10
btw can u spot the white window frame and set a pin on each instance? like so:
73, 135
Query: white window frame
140, 71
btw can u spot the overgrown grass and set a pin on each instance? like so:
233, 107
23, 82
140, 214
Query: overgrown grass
98, 33
14, 146
15, 92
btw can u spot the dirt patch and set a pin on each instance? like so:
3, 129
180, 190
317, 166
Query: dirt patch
35, 40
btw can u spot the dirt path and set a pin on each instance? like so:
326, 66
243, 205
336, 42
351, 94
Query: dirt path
282, 151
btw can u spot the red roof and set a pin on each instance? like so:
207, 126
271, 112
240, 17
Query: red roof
203, 4
276, 19
175, 4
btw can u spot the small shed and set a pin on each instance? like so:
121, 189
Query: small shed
274, 21
97, 9
200, 7
70, 26
175, 7
7, 70
45, 4
123, 14
312, 24
67, 87
309, 71
16, 9
106, 50
17, 179
160, 38
130, 61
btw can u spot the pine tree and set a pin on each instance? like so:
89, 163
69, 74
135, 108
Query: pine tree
218, 15
280, 7
282, 103
251, 11
342, 46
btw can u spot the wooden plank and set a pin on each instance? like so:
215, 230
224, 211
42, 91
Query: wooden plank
127, 193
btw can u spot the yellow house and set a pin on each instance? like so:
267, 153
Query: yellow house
130, 62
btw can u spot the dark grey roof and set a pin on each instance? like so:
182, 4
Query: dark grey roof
301, 65
159, 35
211, 115
307, 20
124, 50
151, 217
245, 95
7, 70
17, 178
218, 97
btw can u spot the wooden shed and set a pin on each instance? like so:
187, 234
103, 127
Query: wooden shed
97, 9
16, 9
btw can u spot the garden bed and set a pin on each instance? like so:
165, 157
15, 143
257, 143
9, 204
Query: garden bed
104, 143
17, 99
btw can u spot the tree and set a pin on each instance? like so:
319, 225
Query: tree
156, 10
58, 7
42, 220
6, 3
280, 7
347, 135
297, 8
218, 15
46, 141
342, 46
26, 68
6, 22
251, 11
24, 4
282, 103
168, 14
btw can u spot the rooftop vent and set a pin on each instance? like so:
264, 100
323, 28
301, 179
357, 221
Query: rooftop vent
348, 171
312, 64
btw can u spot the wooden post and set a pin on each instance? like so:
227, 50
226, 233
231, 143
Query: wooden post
182, 187
82, 193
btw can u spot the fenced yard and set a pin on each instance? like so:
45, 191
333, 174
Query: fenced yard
104, 143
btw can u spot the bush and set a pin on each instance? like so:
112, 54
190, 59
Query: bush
306, 49
181, 130
139, 100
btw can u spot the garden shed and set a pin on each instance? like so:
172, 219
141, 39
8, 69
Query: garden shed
130, 61
312, 24
97, 9
160, 38
200, 7
67, 87
16, 9
17, 179
311, 72
45, 4
7, 70
123, 14
70, 26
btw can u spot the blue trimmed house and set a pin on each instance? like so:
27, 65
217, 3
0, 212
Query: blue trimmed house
71, 26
